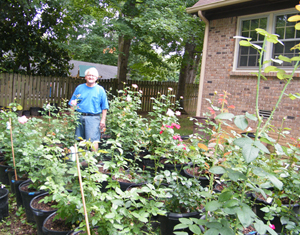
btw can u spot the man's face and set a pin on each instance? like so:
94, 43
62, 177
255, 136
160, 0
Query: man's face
90, 79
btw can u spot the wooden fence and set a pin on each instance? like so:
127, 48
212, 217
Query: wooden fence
35, 91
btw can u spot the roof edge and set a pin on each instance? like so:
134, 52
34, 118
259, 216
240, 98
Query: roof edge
209, 6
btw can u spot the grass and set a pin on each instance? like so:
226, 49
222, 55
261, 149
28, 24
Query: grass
186, 125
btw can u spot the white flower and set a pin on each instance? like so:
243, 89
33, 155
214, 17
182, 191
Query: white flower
48, 106
135, 86
8, 125
170, 113
140, 91
177, 113
170, 89
128, 98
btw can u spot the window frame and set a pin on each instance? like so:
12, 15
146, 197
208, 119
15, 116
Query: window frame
271, 20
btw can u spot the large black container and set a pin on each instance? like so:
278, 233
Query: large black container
52, 232
15, 185
26, 198
3, 174
168, 222
40, 215
3, 203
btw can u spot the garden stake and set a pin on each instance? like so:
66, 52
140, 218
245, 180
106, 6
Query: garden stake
82, 194
12, 149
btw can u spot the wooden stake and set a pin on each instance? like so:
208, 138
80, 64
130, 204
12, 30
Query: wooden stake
82, 193
12, 149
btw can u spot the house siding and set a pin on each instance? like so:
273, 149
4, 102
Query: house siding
242, 86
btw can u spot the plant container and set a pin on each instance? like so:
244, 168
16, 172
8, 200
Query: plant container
49, 224
3, 173
3, 203
15, 184
27, 195
168, 222
40, 214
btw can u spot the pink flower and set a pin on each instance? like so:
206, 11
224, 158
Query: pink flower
180, 145
73, 102
176, 125
175, 137
168, 126
161, 132
22, 119
272, 226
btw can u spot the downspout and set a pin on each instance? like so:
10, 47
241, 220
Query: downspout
203, 63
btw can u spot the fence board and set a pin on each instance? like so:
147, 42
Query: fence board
35, 91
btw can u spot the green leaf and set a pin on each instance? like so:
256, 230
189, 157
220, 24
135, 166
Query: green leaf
241, 142
195, 229
231, 203
241, 122
244, 216
217, 170
261, 146
180, 233
181, 226
225, 196
235, 175
212, 206
244, 43
284, 58
277, 183
250, 153
225, 116
271, 69
296, 58
185, 221
251, 116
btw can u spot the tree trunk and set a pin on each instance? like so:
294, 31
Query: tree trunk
124, 46
186, 72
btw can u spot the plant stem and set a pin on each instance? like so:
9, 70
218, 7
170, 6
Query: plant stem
280, 98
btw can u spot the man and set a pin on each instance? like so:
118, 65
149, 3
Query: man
91, 101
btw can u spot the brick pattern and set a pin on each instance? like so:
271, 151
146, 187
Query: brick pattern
242, 86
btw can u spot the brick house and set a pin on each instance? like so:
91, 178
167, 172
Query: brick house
225, 66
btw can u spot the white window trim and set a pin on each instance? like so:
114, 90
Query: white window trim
271, 16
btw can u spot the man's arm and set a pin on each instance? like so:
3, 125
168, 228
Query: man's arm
103, 119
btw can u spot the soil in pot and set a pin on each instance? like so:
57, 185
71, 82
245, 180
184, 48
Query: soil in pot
56, 227
41, 210
27, 195
3, 203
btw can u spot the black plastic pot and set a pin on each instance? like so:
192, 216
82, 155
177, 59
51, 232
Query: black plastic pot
40, 215
47, 231
26, 113
259, 203
34, 111
26, 198
10, 173
15, 185
3, 174
168, 222
3, 203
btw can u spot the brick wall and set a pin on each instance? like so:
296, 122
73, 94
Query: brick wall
242, 86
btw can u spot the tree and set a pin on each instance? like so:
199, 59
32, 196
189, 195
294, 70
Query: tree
31, 33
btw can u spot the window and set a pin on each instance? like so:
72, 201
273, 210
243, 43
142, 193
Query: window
288, 35
247, 58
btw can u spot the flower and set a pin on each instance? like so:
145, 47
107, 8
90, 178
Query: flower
128, 98
272, 226
73, 102
177, 113
175, 125
135, 86
22, 119
170, 113
170, 89
161, 132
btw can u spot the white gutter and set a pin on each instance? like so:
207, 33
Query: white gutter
221, 3
203, 63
